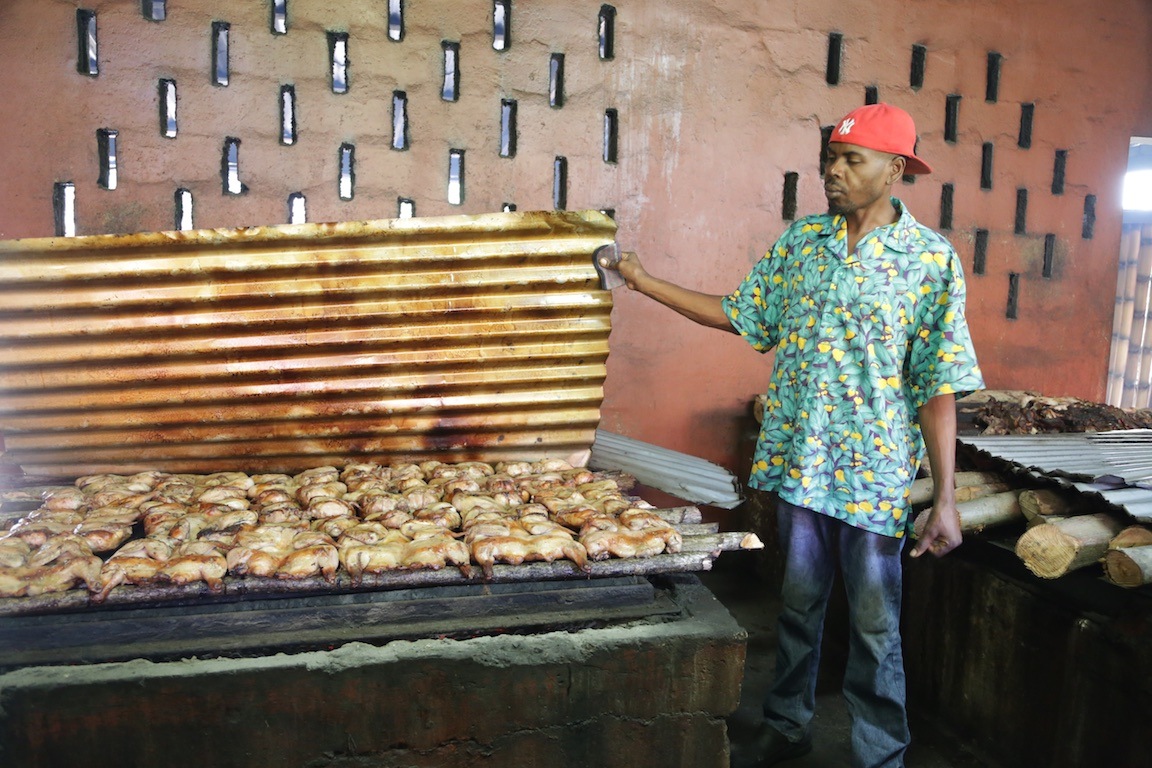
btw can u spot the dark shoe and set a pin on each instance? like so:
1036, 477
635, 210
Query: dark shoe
769, 748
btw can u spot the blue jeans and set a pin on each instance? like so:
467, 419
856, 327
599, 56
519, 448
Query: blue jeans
812, 545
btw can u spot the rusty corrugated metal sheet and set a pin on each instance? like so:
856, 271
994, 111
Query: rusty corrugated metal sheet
284, 347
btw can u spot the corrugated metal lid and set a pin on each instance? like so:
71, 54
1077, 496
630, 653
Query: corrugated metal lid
1116, 465
454, 338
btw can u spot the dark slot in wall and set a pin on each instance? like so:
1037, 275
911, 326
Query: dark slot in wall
1089, 226
556, 80
980, 257
992, 85
1012, 309
825, 137
791, 181
87, 52
220, 65
951, 117
919, 65
1060, 163
1027, 111
1021, 221
560, 183
611, 135
607, 32
947, 191
986, 166
1049, 255
835, 54
871, 94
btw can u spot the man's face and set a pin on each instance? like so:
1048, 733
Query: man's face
856, 177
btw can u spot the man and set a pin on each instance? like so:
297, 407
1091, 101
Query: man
865, 309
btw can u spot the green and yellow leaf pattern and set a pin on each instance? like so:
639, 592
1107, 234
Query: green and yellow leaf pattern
862, 341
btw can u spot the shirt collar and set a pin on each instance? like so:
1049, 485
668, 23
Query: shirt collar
896, 235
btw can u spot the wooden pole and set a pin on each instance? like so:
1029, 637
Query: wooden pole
978, 514
1132, 536
1043, 502
922, 488
1129, 566
1054, 549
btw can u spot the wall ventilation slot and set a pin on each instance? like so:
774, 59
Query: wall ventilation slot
835, 53
87, 53
611, 135
395, 20
919, 63
230, 167
338, 58
399, 120
951, 117
279, 17
980, 259
560, 183
1089, 225
1058, 168
450, 91
556, 80
220, 52
871, 94
607, 29
167, 91
183, 218
501, 24
154, 10
507, 128
947, 192
347, 171
405, 208
297, 208
986, 166
508, 207
287, 114
1049, 255
1021, 224
456, 176
992, 86
788, 205
1027, 112
106, 149
64, 208
1013, 295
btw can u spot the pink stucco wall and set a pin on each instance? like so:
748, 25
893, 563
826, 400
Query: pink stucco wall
717, 101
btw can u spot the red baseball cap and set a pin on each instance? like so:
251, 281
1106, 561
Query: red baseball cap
884, 128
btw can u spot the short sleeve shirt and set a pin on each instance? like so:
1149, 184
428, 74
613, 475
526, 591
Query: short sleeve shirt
862, 341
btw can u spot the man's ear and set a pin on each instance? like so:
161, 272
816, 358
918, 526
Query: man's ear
898, 164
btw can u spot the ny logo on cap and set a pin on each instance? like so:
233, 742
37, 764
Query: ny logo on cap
846, 126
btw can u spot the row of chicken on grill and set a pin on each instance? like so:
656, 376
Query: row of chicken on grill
366, 518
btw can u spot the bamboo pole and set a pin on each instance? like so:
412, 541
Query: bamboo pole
1122, 314
1134, 373
1132, 536
922, 488
1129, 566
978, 514
1054, 549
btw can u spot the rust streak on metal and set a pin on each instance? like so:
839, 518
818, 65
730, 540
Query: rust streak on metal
463, 337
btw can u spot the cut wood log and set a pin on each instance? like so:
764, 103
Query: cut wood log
1042, 502
971, 492
1132, 536
1054, 549
922, 488
978, 514
1129, 566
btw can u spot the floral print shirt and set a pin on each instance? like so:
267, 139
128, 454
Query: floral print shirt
862, 341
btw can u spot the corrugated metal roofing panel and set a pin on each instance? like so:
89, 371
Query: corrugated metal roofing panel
277, 348
1115, 466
